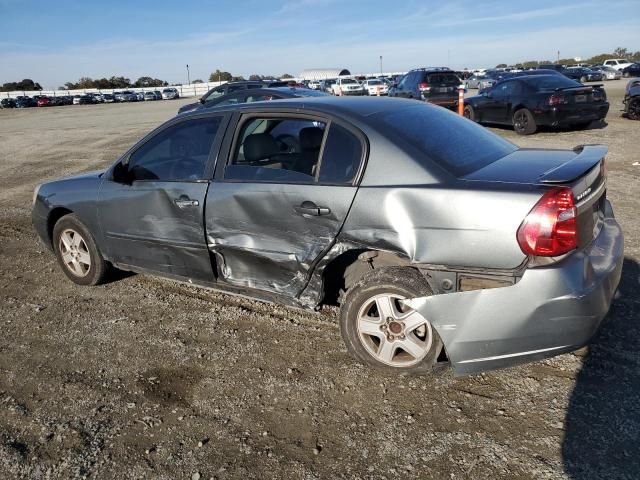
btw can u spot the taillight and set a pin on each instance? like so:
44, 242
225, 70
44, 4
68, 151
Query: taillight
556, 99
423, 86
551, 228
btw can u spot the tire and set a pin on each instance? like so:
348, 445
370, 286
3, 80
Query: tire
583, 79
469, 113
77, 253
581, 125
626, 74
524, 123
403, 343
633, 110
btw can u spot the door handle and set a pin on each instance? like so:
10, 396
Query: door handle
309, 208
184, 202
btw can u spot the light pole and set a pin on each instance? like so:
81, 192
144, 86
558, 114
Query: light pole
188, 76
381, 65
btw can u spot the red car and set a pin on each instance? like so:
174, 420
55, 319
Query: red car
44, 101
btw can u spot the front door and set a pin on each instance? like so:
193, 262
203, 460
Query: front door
151, 206
281, 199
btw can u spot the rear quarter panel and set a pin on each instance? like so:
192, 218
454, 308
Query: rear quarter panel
437, 225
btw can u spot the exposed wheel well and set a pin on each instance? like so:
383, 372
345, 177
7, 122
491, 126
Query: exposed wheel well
349, 267
55, 215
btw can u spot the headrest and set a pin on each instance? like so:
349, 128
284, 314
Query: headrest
311, 138
260, 146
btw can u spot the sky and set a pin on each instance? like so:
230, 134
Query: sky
54, 42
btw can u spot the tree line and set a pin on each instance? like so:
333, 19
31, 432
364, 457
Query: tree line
222, 76
113, 82
619, 52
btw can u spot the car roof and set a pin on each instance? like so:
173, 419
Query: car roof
353, 107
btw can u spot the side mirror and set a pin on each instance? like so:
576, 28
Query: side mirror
202, 100
121, 174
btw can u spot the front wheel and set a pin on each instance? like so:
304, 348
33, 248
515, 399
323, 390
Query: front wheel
77, 253
524, 123
381, 331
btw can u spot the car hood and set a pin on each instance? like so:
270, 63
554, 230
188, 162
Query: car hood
83, 176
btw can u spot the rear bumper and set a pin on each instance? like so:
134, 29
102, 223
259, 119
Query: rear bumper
551, 310
571, 114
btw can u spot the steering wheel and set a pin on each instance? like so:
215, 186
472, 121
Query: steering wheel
288, 143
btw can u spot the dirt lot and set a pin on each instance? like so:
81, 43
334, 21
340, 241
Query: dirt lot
146, 378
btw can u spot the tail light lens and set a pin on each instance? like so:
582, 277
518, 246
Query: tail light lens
556, 99
423, 86
551, 227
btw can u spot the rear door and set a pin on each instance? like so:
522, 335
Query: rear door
280, 200
151, 205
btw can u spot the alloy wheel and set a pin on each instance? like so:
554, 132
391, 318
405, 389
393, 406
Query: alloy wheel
393, 333
74, 252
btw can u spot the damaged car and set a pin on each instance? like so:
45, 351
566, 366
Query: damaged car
442, 242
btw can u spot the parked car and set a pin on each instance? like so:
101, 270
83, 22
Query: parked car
632, 100
8, 103
256, 95
224, 89
617, 63
24, 101
43, 101
108, 98
529, 102
551, 66
314, 85
375, 86
327, 85
434, 85
608, 73
158, 94
473, 81
632, 70
170, 93
440, 240
582, 74
149, 96
348, 87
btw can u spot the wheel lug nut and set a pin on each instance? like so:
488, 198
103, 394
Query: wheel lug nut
383, 327
390, 338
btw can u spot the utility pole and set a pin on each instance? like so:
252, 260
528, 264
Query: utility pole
188, 75
380, 65
558, 60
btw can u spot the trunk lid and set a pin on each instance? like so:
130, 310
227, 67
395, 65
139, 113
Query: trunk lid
581, 169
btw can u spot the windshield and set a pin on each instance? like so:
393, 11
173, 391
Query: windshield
348, 81
449, 140
374, 82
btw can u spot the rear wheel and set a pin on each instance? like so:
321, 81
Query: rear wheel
380, 331
469, 113
626, 74
523, 122
633, 110
77, 252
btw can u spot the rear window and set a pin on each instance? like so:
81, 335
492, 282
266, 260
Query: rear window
550, 82
458, 145
448, 78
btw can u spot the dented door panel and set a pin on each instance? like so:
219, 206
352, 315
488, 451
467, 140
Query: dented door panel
262, 240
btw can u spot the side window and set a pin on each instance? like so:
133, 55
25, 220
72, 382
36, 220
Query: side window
341, 156
277, 150
261, 98
177, 153
231, 100
214, 94
404, 81
504, 89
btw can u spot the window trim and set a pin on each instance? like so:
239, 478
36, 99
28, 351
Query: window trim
212, 157
241, 118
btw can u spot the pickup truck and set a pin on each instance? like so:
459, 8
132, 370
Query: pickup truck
347, 86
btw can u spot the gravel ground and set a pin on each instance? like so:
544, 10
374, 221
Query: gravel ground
147, 378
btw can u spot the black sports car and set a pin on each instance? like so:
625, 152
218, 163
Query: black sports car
532, 101
632, 100
583, 74
631, 71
